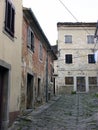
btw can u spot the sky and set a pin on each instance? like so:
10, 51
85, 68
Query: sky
50, 12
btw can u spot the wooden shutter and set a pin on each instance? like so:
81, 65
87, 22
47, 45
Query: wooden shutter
9, 18
40, 52
12, 20
32, 40
29, 38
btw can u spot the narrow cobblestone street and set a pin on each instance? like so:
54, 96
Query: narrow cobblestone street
69, 112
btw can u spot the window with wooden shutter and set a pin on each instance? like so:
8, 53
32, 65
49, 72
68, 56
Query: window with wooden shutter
40, 52
9, 18
69, 80
30, 37
92, 80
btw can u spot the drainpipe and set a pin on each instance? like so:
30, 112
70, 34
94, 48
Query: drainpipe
96, 53
47, 77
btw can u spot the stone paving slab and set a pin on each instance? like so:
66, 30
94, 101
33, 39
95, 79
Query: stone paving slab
70, 112
28, 115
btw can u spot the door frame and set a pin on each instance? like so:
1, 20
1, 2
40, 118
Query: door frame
30, 86
5, 70
81, 83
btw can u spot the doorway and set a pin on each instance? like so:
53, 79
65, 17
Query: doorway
39, 85
54, 86
30, 80
3, 96
81, 84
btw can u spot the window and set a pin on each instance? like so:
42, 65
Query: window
91, 58
68, 58
40, 52
9, 18
69, 80
90, 39
39, 85
68, 39
30, 38
52, 71
92, 80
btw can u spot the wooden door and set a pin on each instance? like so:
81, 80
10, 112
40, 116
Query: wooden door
1, 93
81, 85
29, 91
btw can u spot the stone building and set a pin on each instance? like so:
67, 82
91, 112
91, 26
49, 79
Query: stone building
76, 67
55, 73
10, 60
37, 63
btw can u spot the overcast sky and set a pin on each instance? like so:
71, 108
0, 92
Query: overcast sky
49, 12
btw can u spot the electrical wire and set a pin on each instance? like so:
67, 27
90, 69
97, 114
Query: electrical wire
68, 10
75, 18
74, 57
73, 15
84, 64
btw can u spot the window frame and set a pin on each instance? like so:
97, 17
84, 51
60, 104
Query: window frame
92, 80
68, 39
69, 80
68, 59
40, 51
91, 59
39, 87
10, 18
30, 39
90, 39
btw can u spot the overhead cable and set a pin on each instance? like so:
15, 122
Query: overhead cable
75, 18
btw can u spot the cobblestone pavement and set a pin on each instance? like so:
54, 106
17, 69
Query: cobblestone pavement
70, 112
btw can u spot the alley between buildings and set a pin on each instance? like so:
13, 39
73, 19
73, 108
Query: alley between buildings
70, 112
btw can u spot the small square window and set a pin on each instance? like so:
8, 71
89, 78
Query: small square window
90, 39
68, 39
68, 58
92, 80
69, 80
91, 58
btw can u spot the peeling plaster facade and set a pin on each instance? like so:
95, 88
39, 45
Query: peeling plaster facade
10, 60
34, 63
79, 75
